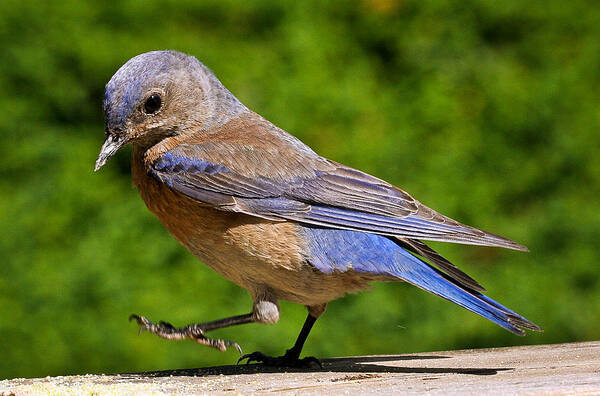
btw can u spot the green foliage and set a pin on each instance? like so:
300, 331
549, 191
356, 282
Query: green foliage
487, 111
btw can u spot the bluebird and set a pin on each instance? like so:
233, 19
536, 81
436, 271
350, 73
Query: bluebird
266, 212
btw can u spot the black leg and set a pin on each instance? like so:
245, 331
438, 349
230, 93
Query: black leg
292, 355
306, 328
195, 331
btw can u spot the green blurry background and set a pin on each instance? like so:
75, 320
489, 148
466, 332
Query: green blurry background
487, 111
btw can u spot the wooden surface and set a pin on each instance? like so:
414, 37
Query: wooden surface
572, 369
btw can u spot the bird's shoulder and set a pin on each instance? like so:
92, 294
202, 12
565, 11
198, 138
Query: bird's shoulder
248, 145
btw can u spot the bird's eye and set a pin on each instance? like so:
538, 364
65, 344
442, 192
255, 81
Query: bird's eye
152, 104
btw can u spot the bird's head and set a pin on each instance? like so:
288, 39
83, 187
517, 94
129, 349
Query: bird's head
160, 94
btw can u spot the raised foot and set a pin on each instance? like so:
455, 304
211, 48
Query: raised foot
193, 332
286, 360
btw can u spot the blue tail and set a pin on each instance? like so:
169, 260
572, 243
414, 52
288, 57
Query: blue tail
422, 275
344, 250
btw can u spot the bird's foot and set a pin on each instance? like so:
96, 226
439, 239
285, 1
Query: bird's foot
194, 332
287, 360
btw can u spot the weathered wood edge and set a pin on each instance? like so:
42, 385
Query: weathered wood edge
572, 368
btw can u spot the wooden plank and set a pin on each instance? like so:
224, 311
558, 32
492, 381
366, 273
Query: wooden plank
544, 369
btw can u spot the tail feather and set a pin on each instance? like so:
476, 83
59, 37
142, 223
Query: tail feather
417, 272
418, 247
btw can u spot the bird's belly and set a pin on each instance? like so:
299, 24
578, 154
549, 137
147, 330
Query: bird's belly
267, 258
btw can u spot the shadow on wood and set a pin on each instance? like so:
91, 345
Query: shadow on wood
337, 365
543, 369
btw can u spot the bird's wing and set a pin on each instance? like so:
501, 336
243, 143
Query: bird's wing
281, 184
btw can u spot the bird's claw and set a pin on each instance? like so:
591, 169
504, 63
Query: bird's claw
194, 332
142, 321
281, 361
257, 357
234, 344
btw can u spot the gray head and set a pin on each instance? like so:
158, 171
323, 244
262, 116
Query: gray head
160, 94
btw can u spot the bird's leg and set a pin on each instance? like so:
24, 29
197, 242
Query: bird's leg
291, 358
195, 331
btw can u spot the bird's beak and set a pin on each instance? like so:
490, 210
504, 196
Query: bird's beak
112, 144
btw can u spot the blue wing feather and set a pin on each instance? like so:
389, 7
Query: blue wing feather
359, 213
348, 199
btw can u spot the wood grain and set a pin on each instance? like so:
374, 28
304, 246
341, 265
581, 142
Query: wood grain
572, 369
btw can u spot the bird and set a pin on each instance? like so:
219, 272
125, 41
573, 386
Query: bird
268, 213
